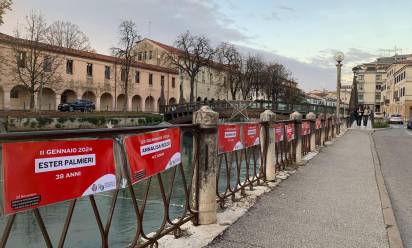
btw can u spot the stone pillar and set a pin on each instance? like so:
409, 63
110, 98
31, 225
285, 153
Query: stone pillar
58, 100
129, 103
7, 103
323, 129
97, 103
208, 163
328, 121
297, 117
312, 117
267, 137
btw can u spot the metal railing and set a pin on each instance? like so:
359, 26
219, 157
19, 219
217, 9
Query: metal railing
237, 171
138, 195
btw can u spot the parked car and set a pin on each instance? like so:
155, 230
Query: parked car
77, 105
396, 119
409, 123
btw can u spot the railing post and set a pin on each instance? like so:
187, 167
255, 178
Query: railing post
312, 117
207, 164
297, 117
267, 136
329, 125
322, 129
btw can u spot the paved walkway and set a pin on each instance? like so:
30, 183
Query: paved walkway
331, 202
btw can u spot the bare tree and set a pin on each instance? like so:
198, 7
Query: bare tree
253, 75
4, 5
229, 56
32, 66
67, 34
125, 52
276, 76
193, 53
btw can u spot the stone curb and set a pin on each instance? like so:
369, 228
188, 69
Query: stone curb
394, 237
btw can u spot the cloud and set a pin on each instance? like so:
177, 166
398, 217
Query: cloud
272, 16
284, 7
309, 76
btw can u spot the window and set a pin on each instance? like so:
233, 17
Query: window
137, 77
139, 56
360, 77
378, 77
89, 70
173, 82
69, 66
150, 54
123, 74
378, 87
107, 72
144, 55
150, 79
47, 64
21, 59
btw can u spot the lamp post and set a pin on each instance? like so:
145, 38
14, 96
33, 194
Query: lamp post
339, 58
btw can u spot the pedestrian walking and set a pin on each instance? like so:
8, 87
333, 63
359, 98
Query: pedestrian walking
359, 114
366, 113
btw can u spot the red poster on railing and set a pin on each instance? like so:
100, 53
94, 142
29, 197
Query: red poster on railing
305, 128
251, 134
290, 131
229, 138
151, 153
318, 123
279, 132
45, 172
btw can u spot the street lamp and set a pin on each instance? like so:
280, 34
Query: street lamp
339, 58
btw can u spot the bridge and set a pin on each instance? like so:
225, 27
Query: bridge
228, 109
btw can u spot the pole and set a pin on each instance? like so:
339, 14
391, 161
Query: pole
339, 68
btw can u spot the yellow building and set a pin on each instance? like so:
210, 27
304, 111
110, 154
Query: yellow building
370, 78
86, 75
397, 90
209, 83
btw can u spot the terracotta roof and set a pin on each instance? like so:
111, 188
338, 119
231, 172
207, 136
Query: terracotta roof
88, 55
166, 47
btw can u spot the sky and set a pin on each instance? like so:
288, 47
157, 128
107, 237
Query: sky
301, 34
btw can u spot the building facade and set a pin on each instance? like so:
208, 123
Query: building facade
370, 78
84, 75
397, 90
209, 83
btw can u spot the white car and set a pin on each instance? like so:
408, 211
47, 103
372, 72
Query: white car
396, 119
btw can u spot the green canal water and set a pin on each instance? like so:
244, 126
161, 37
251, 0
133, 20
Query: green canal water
83, 230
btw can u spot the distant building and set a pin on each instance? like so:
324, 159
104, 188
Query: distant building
370, 78
209, 84
397, 89
326, 98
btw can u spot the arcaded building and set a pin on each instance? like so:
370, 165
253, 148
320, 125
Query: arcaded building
85, 75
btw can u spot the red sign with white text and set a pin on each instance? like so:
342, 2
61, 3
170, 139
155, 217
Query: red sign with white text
251, 134
151, 153
279, 132
318, 123
305, 128
229, 138
46, 172
290, 131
